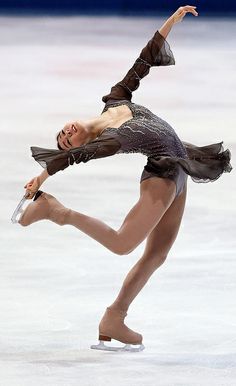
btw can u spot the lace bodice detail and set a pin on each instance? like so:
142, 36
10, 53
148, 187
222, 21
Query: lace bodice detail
146, 133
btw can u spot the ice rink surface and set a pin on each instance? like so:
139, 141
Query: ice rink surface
55, 281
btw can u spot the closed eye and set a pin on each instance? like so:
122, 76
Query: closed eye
68, 141
68, 144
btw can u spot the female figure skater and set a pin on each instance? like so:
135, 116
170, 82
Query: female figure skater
125, 127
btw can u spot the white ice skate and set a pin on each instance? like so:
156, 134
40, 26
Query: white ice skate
126, 348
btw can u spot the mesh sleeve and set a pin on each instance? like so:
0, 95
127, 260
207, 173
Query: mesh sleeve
157, 52
54, 160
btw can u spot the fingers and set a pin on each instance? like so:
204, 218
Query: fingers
32, 187
28, 186
29, 195
189, 8
181, 12
195, 13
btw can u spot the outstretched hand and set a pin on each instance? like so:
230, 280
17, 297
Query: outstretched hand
32, 187
181, 12
176, 18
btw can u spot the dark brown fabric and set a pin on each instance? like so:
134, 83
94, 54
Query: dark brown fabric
55, 160
156, 53
204, 163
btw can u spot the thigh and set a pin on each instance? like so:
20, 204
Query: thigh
156, 196
162, 237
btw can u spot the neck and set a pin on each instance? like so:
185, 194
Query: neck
95, 126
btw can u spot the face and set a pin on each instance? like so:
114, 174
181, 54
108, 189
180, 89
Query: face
70, 136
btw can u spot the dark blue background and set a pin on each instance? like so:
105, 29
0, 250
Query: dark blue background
119, 7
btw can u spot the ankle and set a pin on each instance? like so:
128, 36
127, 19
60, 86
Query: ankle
118, 307
66, 216
59, 216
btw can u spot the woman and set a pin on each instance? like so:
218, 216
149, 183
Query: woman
125, 127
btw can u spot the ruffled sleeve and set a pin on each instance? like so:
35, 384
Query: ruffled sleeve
157, 52
54, 160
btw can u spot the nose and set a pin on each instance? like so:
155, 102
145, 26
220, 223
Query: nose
69, 131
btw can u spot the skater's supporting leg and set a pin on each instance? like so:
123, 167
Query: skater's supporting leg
156, 195
158, 245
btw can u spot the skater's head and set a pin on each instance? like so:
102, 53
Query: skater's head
75, 134
72, 135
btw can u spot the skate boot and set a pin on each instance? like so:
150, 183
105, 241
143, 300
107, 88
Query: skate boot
112, 327
44, 207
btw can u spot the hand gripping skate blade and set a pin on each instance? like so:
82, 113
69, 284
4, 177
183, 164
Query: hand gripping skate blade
126, 348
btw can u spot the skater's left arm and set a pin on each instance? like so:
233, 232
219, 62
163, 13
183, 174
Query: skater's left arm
176, 18
157, 52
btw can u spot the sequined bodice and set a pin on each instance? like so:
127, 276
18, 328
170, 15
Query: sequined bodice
145, 133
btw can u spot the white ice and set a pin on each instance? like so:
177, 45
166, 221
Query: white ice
55, 281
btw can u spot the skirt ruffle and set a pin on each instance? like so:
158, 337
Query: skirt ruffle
202, 164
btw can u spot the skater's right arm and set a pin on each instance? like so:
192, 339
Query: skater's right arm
53, 160
34, 184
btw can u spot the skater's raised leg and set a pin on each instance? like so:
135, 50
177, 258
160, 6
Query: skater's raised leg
139, 222
155, 199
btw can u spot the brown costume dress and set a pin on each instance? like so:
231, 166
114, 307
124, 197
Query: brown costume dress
146, 133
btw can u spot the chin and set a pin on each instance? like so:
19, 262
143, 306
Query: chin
78, 144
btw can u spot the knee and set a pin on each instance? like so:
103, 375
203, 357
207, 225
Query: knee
123, 250
161, 260
156, 260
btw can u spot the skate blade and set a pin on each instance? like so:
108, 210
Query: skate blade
19, 209
125, 348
